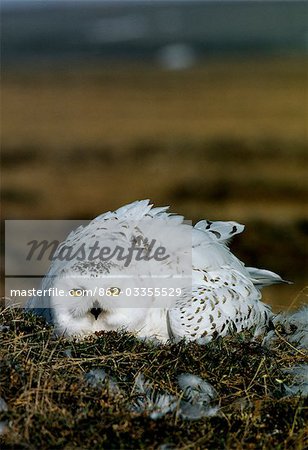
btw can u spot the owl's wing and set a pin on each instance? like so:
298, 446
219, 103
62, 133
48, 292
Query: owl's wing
221, 301
220, 231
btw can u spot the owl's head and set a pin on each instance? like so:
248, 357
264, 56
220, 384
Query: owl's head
84, 304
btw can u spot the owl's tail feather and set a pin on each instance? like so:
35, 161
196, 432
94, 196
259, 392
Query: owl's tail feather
262, 277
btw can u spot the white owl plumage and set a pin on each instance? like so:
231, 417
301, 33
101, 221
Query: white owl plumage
220, 295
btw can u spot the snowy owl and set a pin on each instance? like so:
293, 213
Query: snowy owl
145, 270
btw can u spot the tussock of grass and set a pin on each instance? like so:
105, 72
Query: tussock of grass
51, 404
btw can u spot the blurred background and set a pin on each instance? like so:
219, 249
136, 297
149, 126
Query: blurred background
201, 105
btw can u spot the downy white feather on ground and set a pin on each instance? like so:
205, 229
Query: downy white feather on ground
293, 327
298, 384
196, 401
98, 378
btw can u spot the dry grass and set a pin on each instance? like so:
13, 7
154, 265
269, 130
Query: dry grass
50, 405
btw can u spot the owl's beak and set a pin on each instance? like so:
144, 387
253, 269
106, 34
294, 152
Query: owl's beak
96, 312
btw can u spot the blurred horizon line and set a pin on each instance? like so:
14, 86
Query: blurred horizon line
175, 34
